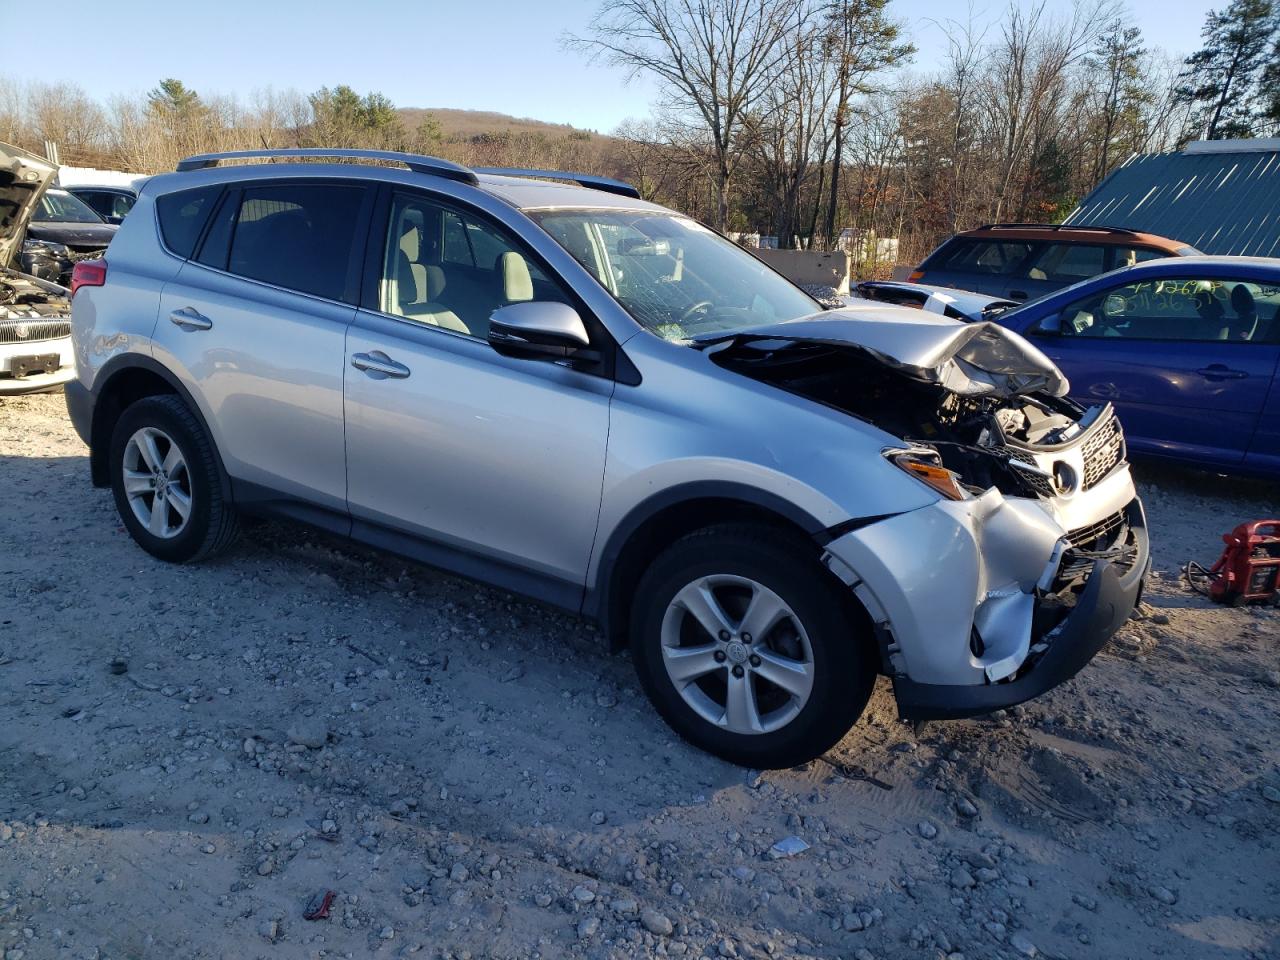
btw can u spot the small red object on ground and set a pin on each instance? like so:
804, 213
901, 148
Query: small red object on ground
1249, 568
318, 906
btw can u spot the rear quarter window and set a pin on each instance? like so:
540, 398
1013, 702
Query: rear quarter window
182, 216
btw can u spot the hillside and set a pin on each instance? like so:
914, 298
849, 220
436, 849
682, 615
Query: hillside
464, 124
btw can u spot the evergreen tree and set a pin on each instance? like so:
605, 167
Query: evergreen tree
1223, 79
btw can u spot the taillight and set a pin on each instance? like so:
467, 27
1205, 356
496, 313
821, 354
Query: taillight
915, 275
88, 273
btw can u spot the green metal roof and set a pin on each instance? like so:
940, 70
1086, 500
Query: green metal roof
1221, 197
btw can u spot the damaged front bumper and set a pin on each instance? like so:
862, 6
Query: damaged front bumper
984, 603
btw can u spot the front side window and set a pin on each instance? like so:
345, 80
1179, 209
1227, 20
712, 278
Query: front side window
443, 268
297, 236
64, 208
674, 276
1186, 309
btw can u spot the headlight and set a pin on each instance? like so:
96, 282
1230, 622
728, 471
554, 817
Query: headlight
46, 248
926, 466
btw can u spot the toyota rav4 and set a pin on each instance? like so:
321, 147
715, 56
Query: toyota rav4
540, 381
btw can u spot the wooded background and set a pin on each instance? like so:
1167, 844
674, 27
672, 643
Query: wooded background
794, 120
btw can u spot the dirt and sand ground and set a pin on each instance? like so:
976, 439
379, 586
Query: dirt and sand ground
189, 755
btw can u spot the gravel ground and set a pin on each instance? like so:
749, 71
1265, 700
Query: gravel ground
189, 755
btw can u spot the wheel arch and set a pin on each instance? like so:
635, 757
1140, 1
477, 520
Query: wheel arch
123, 381
663, 518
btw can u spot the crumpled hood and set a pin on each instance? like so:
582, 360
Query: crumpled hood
970, 359
75, 234
24, 177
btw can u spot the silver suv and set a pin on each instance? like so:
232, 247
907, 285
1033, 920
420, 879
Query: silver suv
538, 380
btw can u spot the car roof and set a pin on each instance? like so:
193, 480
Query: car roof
1209, 267
1118, 236
520, 188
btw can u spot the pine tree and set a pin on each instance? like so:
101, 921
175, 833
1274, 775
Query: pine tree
1223, 79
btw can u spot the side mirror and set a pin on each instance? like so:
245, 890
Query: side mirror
1050, 326
114, 218
540, 329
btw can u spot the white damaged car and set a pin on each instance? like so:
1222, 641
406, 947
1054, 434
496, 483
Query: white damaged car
35, 315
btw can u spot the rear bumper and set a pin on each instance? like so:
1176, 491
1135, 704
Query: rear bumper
80, 409
1103, 607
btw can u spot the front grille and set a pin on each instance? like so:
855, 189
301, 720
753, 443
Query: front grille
1037, 481
1102, 451
33, 331
1096, 536
1107, 539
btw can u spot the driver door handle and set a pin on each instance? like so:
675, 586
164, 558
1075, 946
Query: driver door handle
189, 318
1219, 371
378, 365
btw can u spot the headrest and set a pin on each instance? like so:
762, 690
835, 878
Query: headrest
409, 241
517, 285
1242, 301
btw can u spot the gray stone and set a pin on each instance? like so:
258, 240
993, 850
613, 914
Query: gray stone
458, 873
787, 847
588, 927
1022, 943
962, 879
655, 922
265, 866
582, 894
1163, 894
926, 829
310, 732
965, 808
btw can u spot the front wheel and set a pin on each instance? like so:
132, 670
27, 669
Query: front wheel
166, 482
744, 644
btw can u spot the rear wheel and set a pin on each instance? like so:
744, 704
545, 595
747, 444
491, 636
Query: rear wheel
743, 643
166, 482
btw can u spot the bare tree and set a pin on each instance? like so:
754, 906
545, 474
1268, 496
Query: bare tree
716, 56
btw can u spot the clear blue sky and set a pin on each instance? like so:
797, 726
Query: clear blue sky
498, 55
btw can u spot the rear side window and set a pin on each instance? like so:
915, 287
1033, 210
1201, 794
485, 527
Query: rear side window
1128, 256
993, 257
182, 216
297, 236
1069, 262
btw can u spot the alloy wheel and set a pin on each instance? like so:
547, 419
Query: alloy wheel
737, 654
157, 483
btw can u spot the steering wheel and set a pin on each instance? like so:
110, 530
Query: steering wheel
700, 305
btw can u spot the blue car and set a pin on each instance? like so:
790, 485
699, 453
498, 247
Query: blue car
1186, 349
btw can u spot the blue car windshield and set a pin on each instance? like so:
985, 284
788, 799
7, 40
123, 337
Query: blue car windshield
677, 278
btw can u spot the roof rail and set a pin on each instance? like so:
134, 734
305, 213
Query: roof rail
418, 164
1054, 226
581, 179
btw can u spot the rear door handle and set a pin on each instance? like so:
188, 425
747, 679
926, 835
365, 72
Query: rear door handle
1017, 294
378, 365
1218, 371
189, 318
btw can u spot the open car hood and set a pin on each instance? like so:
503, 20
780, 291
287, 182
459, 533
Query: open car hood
969, 359
24, 177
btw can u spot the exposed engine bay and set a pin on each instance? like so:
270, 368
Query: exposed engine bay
24, 297
988, 440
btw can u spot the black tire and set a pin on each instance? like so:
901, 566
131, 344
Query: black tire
843, 655
212, 524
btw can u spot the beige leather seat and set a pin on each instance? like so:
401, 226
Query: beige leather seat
414, 289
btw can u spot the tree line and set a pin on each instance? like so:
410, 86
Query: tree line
801, 120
